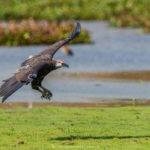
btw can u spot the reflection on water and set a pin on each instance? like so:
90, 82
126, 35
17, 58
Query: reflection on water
114, 50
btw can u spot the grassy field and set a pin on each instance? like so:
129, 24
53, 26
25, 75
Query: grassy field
62, 128
118, 12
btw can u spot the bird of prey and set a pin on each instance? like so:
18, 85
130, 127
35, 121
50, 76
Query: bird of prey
34, 70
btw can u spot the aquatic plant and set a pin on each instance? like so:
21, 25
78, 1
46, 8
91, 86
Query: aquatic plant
119, 12
27, 32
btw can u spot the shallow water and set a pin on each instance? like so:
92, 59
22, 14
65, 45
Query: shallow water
114, 50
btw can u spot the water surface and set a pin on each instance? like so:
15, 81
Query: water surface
114, 49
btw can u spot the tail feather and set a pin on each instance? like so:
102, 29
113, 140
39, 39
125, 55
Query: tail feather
9, 87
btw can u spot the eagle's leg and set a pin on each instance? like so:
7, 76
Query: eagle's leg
39, 90
44, 94
47, 93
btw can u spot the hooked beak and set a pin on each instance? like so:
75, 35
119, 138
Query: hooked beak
65, 65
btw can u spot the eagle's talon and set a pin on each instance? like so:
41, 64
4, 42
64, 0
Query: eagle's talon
46, 95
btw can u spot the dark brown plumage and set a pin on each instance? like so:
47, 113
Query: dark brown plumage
36, 68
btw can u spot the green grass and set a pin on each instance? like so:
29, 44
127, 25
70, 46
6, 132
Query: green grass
118, 12
75, 128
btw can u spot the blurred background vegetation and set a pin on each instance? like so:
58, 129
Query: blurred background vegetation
29, 32
118, 12
122, 13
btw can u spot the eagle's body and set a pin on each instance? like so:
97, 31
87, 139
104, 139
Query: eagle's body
35, 69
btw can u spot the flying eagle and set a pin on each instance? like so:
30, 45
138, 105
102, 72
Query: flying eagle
34, 70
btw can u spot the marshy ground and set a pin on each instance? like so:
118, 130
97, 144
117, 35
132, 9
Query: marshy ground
85, 112
115, 66
113, 73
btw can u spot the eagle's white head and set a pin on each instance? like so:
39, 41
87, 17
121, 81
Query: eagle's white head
61, 63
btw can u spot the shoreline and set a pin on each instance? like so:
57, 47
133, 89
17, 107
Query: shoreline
133, 102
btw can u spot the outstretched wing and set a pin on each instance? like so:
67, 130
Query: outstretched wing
23, 77
51, 50
9, 87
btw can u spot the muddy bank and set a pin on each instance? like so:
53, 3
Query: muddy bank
120, 75
118, 103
